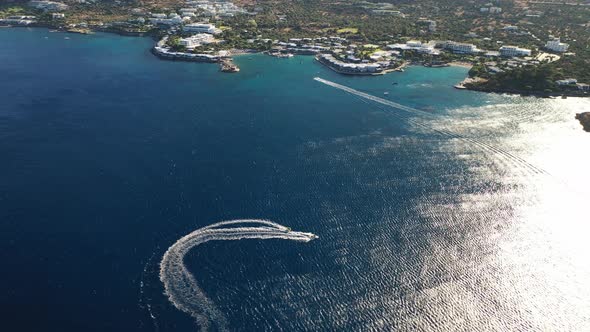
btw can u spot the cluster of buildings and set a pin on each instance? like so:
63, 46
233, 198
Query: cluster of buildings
48, 6
532, 13
515, 30
388, 12
203, 35
430, 23
460, 48
383, 8
337, 52
170, 19
514, 56
553, 44
572, 82
505, 51
556, 45
162, 51
166, 53
303, 49
501, 65
343, 67
340, 55
491, 9
418, 46
212, 8
194, 9
433, 47
199, 33
18, 20
311, 46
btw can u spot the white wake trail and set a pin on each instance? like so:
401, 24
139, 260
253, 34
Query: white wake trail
477, 142
182, 288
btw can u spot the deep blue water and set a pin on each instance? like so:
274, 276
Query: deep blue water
110, 155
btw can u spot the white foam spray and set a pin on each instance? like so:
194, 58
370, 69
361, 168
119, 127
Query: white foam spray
181, 287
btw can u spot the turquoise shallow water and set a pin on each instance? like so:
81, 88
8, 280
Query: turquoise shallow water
467, 216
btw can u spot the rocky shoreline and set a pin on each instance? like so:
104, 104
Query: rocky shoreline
467, 84
539, 94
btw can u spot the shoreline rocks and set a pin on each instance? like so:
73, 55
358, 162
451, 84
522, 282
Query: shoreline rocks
584, 119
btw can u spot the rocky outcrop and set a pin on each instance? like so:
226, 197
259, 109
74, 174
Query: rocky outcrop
584, 119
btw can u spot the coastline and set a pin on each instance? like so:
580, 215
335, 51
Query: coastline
538, 94
204, 58
238, 52
472, 83
83, 31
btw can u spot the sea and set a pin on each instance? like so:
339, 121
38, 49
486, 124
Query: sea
469, 212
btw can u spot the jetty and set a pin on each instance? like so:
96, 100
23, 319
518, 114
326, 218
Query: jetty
468, 80
227, 65
278, 54
82, 31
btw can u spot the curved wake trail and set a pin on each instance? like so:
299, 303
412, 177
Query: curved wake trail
481, 144
180, 285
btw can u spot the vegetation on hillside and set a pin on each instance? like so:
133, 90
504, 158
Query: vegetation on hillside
534, 78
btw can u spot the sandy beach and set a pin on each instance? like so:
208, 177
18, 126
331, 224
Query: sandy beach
461, 64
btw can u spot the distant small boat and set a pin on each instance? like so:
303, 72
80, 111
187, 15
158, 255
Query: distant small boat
386, 93
394, 83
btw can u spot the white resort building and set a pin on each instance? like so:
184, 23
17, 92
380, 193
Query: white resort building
461, 47
197, 40
556, 45
202, 28
567, 81
18, 20
417, 46
514, 51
